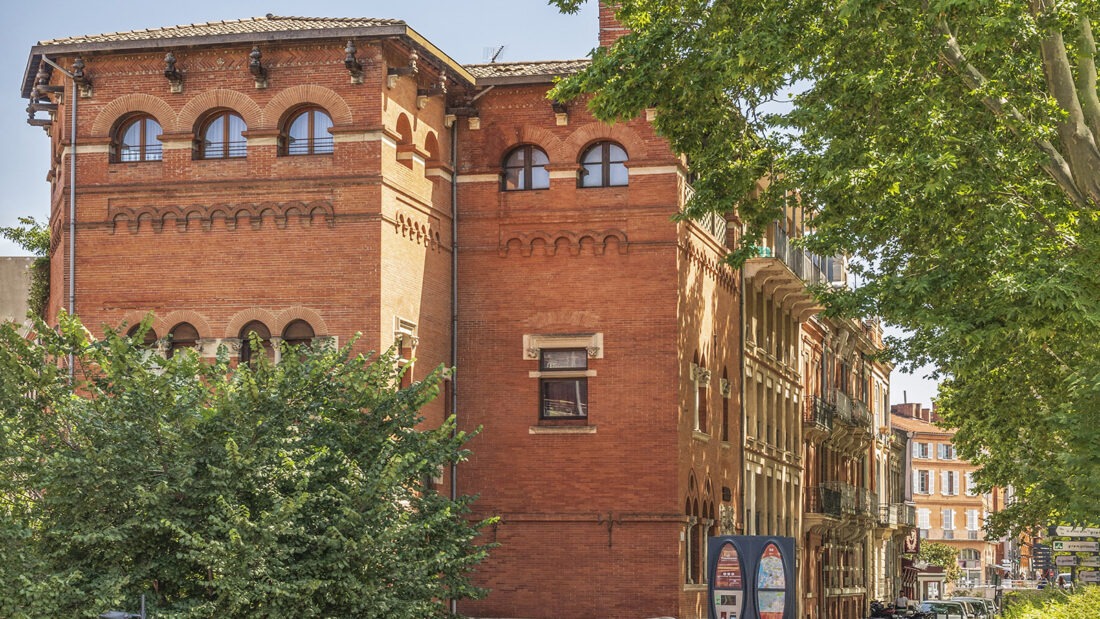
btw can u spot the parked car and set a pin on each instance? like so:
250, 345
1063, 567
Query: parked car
975, 606
945, 609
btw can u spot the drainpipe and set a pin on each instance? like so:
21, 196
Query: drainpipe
72, 196
454, 311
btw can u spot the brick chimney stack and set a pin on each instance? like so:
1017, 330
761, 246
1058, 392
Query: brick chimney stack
610, 28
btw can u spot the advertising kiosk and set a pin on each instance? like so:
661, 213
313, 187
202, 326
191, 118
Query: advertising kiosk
751, 577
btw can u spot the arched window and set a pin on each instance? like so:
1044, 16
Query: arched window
248, 354
148, 341
138, 139
182, 336
298, 333
221, 136
307, 133
603, 165
525, 168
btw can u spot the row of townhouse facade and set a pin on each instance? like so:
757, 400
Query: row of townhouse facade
949, 508
306, 178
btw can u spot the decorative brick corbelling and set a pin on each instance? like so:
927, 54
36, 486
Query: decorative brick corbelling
564, 241
183, 219
298, 312
421, 233
243, 317
128, 104
312, 94
719, 271
596, 132
202, 104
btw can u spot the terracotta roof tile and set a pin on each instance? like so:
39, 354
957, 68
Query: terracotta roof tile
542, 68
252, 25
916, 425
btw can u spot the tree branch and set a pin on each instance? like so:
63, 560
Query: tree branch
1056, 166
1086, 75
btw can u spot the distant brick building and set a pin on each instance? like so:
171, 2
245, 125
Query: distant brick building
302, 178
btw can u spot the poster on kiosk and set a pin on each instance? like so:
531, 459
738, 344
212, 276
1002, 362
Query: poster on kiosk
751, 577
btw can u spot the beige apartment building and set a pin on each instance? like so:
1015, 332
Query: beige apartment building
948, 508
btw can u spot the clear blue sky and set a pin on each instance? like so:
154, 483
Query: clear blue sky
464, 29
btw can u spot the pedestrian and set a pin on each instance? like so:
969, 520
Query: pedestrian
901, 602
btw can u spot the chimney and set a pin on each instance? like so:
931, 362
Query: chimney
610, 28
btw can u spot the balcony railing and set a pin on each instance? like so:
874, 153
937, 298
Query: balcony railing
907, 515
849, 499
851, 412
888, 515
866, 503
811, 268
819, 413
825, 500
716, 225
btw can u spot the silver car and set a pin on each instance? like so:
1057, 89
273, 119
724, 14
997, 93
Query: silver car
945, 609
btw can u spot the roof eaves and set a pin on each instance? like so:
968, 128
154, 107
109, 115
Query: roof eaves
380, 31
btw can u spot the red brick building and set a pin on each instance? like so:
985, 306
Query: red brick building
302, 178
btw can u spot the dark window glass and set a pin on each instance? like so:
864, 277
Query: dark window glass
565, 396
248, 354
525, 168
148, 341
222, 136
139, 140
604, 165
183, 335
298, 333
308, 133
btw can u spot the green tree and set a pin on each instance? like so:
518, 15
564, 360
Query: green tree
289, 490
950, 145
35, 238
943, 556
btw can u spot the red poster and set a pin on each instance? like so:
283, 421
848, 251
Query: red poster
728, 574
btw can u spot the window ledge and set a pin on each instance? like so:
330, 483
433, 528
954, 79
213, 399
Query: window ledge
700, 436
561, 430
698, 587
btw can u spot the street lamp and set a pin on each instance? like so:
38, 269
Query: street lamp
118, 614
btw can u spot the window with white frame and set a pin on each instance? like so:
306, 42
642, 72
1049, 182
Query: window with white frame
948, 523
972, 524
949, 485
946, 451
971, 489
563, 372
924, 521
922, 482
921, 450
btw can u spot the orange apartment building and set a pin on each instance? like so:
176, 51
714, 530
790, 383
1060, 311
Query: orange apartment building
306, 178
949, 509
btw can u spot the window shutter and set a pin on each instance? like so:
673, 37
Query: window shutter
916, 482
916, 449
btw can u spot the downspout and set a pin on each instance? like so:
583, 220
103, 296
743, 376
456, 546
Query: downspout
744, 418
453, 404
72, 198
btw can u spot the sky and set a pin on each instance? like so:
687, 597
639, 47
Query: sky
467, 30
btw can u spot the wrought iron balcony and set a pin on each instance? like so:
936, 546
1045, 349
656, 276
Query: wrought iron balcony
817, 421
825, 500
907, 515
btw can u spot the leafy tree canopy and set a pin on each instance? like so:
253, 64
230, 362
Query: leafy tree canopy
951, 145
941, 555
289, 490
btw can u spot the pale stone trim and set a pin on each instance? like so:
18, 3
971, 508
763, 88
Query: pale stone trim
563, 174
87, 148
656, 169
534, 343
185, 144
478, 178
263, 141
362, 136
561, 430
445, 175
563, 374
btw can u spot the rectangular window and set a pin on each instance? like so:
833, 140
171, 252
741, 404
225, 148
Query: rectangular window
950, 483
946, 451
972, 520
563, 386
920, 450
924, 517
922, 482
970, 489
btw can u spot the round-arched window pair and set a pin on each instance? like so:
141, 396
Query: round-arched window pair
603, 164
297, 333
138, 139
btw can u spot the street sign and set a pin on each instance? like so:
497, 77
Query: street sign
1065, 560
1092, 561
1063, 546
1089, 576
1076, 532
